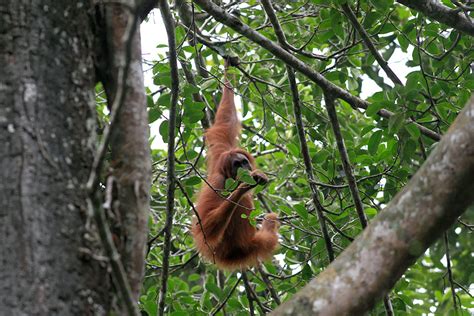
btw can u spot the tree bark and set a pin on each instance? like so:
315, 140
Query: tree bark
131, 160
437, 11
418, 215
47, 132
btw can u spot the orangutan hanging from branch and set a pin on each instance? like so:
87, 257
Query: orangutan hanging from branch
224, 236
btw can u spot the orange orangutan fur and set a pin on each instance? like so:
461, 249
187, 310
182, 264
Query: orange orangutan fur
223, 237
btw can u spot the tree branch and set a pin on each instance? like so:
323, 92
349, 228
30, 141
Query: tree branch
351, 179
328, 87
450, 271
267, 6
268, 283
168, 21
441, 13
346, 164
144, 8
418, 215
368, 43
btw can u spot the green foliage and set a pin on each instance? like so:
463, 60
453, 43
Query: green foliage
384, 153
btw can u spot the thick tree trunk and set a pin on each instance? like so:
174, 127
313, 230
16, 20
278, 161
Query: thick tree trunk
418, 215
47, 135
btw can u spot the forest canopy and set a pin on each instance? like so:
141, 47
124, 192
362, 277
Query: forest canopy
421, 71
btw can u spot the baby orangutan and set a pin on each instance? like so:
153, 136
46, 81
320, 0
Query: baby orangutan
224, 237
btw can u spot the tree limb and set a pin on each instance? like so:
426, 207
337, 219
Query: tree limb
368, 43
418, 215
144, 8
346, 165
267, 6
435, 10
168, 21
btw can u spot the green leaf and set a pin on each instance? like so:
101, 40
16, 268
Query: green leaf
154, 114
374, 108
194, 180
285, 209
164, 130
230, 184
193, 111
370, 212
413, 130
194, 277
214, 289
374, 142
162, 79
243, 175
404, 43
293, 149
395, 122
307, 273
179, 313
164, 100
301, 210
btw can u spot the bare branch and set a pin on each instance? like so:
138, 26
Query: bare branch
450, 271
435, 10
368, 43
346, 164
168, 21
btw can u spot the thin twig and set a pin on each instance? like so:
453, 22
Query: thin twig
198, 218
468, 226
222, 304
450, 271
269, 284
253, 131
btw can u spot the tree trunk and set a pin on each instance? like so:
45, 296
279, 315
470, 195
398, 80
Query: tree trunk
47, 133
130, 150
